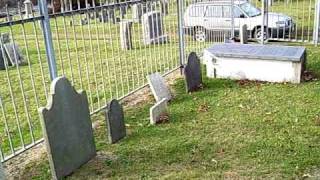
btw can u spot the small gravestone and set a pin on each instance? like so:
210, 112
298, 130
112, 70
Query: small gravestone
2, 173
159, 112
164, 4
136, 12
104, 18
115, 122
153, 28
5, 38
192, 73
123, 11
28, 9
244, 34
112, 16
13, 53
159, 87
126, 35
67, 128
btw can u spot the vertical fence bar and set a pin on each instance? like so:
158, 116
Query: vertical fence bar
181, 33
45, 24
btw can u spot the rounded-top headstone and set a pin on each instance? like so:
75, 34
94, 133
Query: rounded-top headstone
115, 121
192, 73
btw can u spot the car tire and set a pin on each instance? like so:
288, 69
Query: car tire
200, 34
258, 33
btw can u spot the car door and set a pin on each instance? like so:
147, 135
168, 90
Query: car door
195, 16
213, 17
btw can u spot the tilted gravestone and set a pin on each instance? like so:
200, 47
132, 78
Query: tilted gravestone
115, 122
192, 73
159, 87
2, 173
67, 128
159, 112
152, 29
13, 53
126, 35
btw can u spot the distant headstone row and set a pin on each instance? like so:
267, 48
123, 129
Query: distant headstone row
10, 53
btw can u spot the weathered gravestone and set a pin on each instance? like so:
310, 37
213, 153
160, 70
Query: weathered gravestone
67, 128
159, 112
126, 35
159, 87
13, 53
136, 12
244, 34
115, 122
2, 173
192, 73
153, 28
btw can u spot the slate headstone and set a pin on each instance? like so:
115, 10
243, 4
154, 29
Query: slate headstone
159, 112
126, 35
159, 87
2, 173
13, 53
67, 129
192, 73
152, 28
244, 34
115, 122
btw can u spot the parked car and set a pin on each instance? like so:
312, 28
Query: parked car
201, 18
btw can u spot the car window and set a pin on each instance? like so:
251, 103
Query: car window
237, 12
214, 11
196, 11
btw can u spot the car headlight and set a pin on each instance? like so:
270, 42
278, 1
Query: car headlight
281, 23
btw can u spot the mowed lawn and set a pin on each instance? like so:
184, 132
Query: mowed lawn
229, 129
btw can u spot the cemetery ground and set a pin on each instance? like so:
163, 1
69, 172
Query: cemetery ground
229, 129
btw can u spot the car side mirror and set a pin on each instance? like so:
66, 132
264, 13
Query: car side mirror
242, 16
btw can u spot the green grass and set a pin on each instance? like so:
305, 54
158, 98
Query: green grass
226, 130
90, 56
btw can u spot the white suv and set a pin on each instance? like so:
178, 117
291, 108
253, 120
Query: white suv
204, 17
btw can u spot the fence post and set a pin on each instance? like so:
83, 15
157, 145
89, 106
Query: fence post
181, 33
45, 24
316, 23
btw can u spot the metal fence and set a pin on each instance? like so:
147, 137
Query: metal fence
80, 40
